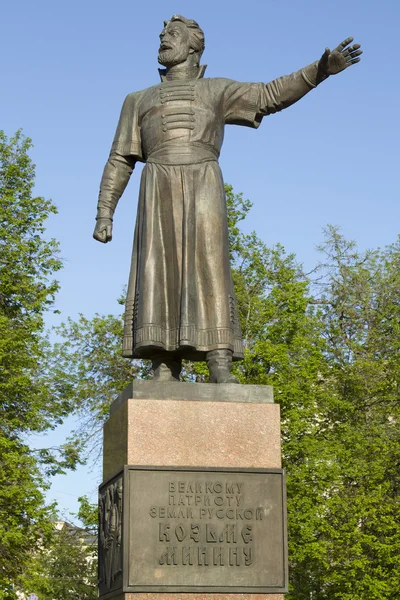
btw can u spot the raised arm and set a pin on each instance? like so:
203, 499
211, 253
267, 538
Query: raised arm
285, 91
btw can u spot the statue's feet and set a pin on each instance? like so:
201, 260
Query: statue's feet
166, 368
219, 364
223, 378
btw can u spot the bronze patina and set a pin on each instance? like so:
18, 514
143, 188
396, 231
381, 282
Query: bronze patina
193, 529
180, 301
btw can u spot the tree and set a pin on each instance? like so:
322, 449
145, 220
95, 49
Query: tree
66, 567
27, 402
89, 371
360, 312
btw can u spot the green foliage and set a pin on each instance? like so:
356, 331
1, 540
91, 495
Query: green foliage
27, 290
24, 520
66, 567
360, 313
27, 402
88, 513
89, 372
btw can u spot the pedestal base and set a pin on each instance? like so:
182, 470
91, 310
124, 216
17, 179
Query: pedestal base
189, 425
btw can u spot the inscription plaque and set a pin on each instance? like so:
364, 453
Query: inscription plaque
203, 530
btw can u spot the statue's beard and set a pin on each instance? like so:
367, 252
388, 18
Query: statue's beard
171, 57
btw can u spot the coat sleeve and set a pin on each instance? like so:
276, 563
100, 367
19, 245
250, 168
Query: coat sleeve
247, 103
125, 152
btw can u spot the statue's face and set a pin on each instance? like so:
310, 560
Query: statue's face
174, 48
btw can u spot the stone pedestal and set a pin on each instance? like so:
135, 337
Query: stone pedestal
189, 425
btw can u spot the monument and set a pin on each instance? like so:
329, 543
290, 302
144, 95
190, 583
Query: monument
193, 496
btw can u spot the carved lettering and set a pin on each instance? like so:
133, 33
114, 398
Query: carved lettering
220, 538
195, 533
180, 533
228, 534
211, 533
203, 556
247, 534
233, 557
248, 556
187, 555
169, 557
164, 532
218, 556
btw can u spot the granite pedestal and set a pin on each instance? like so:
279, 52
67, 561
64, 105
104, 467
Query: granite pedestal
198, 426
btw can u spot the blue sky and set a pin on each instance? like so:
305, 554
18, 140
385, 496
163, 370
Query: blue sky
332, 158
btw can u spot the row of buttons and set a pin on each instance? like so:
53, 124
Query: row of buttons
176, 92
178, 119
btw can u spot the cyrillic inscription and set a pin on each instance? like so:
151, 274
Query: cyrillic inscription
223, 528
205, 502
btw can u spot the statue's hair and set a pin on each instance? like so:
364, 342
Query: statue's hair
196, 34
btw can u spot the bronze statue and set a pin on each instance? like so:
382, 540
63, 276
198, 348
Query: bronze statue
180, 301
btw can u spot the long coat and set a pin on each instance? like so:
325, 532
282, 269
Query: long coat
180, 295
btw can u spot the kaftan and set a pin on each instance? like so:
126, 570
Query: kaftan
180, 295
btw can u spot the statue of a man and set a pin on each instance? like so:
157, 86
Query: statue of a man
180, 301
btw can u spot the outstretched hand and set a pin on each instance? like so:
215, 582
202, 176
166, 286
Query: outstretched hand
340, 58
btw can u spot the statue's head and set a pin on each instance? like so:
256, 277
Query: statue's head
180, 38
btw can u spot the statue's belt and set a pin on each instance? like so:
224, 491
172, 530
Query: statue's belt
185, 153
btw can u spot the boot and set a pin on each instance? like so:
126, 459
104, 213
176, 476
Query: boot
219, 363
166, 367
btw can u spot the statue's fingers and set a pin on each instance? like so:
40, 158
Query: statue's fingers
353, 62
354, 54
98, 236
325, 56
344, 44
109, 232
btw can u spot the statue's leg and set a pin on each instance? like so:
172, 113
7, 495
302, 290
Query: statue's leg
219, 363
166, 366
